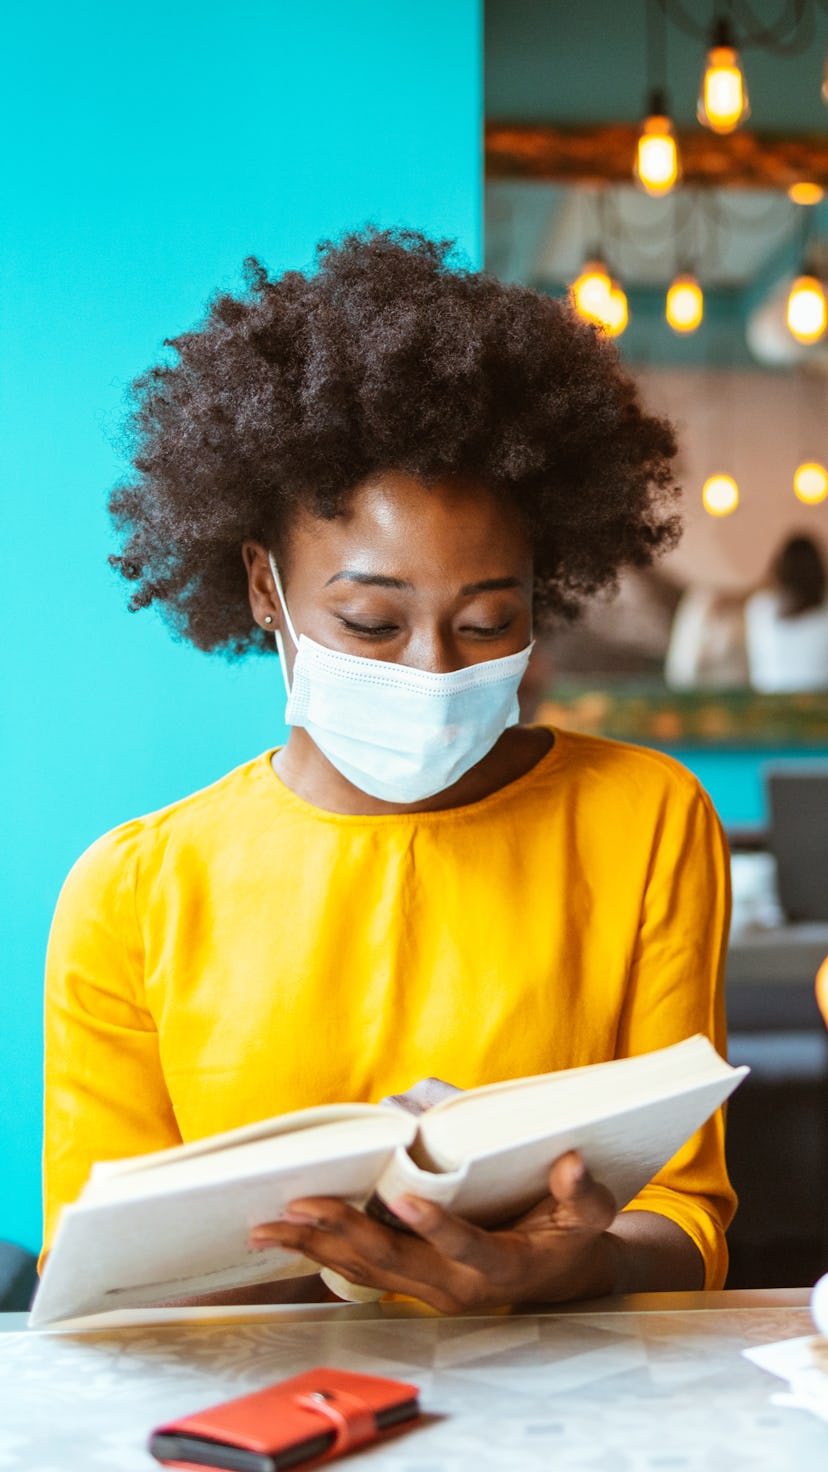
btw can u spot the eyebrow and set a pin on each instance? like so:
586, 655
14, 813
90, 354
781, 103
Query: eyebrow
379, 580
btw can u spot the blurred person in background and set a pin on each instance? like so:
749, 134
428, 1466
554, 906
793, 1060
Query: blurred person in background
786, 622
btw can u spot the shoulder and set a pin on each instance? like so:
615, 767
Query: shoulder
112, 861
628, 798
625, 767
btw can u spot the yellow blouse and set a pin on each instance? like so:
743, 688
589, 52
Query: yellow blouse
242, 953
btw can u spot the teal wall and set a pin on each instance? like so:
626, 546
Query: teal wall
153, 148
735, 778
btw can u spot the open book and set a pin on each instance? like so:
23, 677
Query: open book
175, 1224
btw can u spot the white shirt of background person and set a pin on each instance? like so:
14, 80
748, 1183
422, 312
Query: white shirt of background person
786, 653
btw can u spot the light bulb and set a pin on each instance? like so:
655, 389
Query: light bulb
657, 165
684, 307
822, 990
723, 100
720, 495
810, 482
591, 292
619, 311
807, 311
804, 191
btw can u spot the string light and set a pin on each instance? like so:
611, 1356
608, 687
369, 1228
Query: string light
684, 307
723, 100
810, 482
720, 495
807, 309
657, 163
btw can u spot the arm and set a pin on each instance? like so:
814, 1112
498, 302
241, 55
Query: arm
105, 1095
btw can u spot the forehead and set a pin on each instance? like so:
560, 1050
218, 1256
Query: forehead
395, 523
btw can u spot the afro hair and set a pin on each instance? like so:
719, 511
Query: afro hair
387, 355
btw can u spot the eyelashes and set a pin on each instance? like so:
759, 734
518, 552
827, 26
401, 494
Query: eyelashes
387, 631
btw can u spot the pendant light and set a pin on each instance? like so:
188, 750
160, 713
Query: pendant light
810, 483
657, 162
807, 310
619, 310
806, 191
599, 298
720, 495
723, 100
684, 306
591, 290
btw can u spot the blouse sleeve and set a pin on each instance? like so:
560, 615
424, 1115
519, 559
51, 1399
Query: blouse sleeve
676, 988
105, 1095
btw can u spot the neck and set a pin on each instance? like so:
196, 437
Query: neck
307, 772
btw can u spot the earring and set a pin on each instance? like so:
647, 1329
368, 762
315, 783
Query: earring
268, 618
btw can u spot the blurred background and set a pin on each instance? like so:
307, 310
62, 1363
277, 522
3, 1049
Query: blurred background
699, 259
148, 153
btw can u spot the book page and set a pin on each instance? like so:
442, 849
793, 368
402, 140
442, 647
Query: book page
182, 1230
264, 1129
487, 1119
308, 1147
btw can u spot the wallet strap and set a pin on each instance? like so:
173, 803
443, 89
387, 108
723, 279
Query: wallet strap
351, 1419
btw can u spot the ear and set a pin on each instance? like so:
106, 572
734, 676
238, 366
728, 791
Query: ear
264, 601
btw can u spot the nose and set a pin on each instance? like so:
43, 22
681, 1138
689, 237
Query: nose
432, 649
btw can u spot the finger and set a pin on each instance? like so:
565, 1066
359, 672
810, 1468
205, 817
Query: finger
450, 1235
453, 1238
338, 1236
581, 1203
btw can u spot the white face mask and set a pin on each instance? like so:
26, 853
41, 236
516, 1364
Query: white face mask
398, 733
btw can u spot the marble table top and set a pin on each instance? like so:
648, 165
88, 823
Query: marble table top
636, 1385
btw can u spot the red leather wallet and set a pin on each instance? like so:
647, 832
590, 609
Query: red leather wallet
309, 1418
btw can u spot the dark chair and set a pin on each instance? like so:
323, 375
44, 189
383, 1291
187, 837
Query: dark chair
18, 1277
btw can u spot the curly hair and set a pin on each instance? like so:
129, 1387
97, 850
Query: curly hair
386, 356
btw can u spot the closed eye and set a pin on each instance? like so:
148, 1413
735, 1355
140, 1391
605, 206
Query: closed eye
482, 632
375, 631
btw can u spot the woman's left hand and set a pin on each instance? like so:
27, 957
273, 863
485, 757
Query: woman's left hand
560, 1250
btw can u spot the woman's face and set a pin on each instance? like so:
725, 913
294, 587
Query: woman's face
436, 578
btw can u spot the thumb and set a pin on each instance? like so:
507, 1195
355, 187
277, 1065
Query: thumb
576, 1202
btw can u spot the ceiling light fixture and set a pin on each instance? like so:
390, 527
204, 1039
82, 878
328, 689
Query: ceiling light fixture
723, 100
720, 495
684, 306
657, 163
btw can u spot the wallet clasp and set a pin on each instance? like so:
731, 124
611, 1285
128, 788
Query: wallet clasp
349, 1417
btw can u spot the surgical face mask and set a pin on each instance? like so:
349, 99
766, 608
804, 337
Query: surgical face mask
398, 733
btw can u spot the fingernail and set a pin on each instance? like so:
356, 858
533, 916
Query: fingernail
260, 1244
579, 1171
298, 1218
408, 1208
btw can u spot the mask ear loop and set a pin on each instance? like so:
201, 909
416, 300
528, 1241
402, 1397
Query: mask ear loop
277, 633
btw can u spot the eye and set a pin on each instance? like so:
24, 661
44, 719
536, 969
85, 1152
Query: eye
369, 631
483, 631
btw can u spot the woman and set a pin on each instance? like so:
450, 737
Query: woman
394, 466
786, 623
